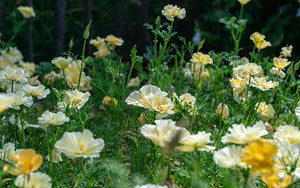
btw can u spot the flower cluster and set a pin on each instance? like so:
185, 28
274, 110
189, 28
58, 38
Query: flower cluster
105, 46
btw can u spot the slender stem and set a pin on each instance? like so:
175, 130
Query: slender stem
252, 54
166, 41
82, 63
12, 86
241, 12
65, 81
128, 78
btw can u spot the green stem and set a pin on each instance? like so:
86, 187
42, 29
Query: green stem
128, 79
12, 86
252, 54
166, 41
82, 63
65, 81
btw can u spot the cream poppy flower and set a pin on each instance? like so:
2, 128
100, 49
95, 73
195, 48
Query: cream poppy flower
73, 99
286, 51
172, 11
278, 72
201, 58
197, 141
12, 55
6, 101
264, 111
74, 67
194, 70
77, 144
6, 151
141, 98
39, 91
20, 99
28, 67
102, 51
33, 180
287, 133
244, 71
238, 85
228, 157
98, 42
281, 63
243, 2
259, 40
114, 41
85, 81
48, 118
61, 62
161, 104
10, 75
262, 83
26, 11
134, 82
187, 101
162, 132
239, 134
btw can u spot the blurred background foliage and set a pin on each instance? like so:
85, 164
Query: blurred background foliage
279, 20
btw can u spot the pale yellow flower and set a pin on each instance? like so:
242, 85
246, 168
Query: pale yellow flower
85, 81
28, 67
27, 12
197, 141
186, 101
201, 58
286, 51
34, 81
223, 111
239, 134
52, 77
102, 51
262, 83
74, 67
39, 91
25, 161
33, 180
161, 104
73, 99
114, 41
61, 62
243, 2
141, 98
134, 82
10, 75
287, 133
259, 155
162, 132
238, 85
108, 101
98, 42
277, 71
259, 40
272, 180
264, 111
20, 99
194, 69
228, 157
49, 118
172, 11
281, 63
11, 55
5, 101
77, 144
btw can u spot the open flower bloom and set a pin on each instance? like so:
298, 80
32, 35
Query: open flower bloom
264, 111
277, 71
259, 41
161, 104
28, 67
33, 180
61, 62
201, 58
27, 12
141, 98
10, 56
239, 134
97, 42
39, 91
243, 2
228, 157
238, 85
172, 11
197, 141
244, 71
20, 99
9, 75
48, 118
197, 71
114, 41
74, 67
286, 51
77, 144
85, 81
288, 158
281, 63
25, 161
102, 51
186, 101
262, 83
163, 132
5, 101
73, 99
259, 155
287, 133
